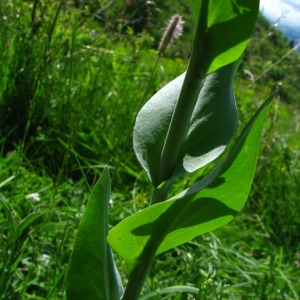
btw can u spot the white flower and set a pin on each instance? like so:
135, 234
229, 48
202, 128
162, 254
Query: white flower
34, 197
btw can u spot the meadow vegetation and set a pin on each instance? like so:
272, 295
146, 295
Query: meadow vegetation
73, 76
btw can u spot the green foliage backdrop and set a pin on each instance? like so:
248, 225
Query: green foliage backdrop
70, 89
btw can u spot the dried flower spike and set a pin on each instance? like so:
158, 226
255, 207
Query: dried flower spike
173, 31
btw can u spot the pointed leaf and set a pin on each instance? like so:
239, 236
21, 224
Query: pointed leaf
211, 126
92, 273
195, 211
226, 30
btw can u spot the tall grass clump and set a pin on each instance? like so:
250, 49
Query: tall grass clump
277, 191
60, 70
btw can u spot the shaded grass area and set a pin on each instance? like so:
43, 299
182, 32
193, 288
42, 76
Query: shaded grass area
69, 95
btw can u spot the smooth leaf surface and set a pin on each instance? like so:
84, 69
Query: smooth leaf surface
211, 125
195, 211
92, 273
226, 29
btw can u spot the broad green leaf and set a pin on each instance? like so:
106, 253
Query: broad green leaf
211, 125
92, 273
225, 30
209, 204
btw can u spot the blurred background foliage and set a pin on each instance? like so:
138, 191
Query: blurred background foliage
73, 76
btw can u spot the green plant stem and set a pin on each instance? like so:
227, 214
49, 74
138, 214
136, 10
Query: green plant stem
150, 81
177, 131
161, 193
139, 273
136, 280
191, 87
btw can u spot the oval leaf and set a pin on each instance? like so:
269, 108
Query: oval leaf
211, 126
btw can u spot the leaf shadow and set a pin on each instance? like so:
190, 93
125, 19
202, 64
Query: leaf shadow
184, 213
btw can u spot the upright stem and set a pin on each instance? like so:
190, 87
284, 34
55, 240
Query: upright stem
139, 272
191, 87
136, 280
178, 128
161, 192
179, 125
150, 81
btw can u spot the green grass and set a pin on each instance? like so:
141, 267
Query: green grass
69, 94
